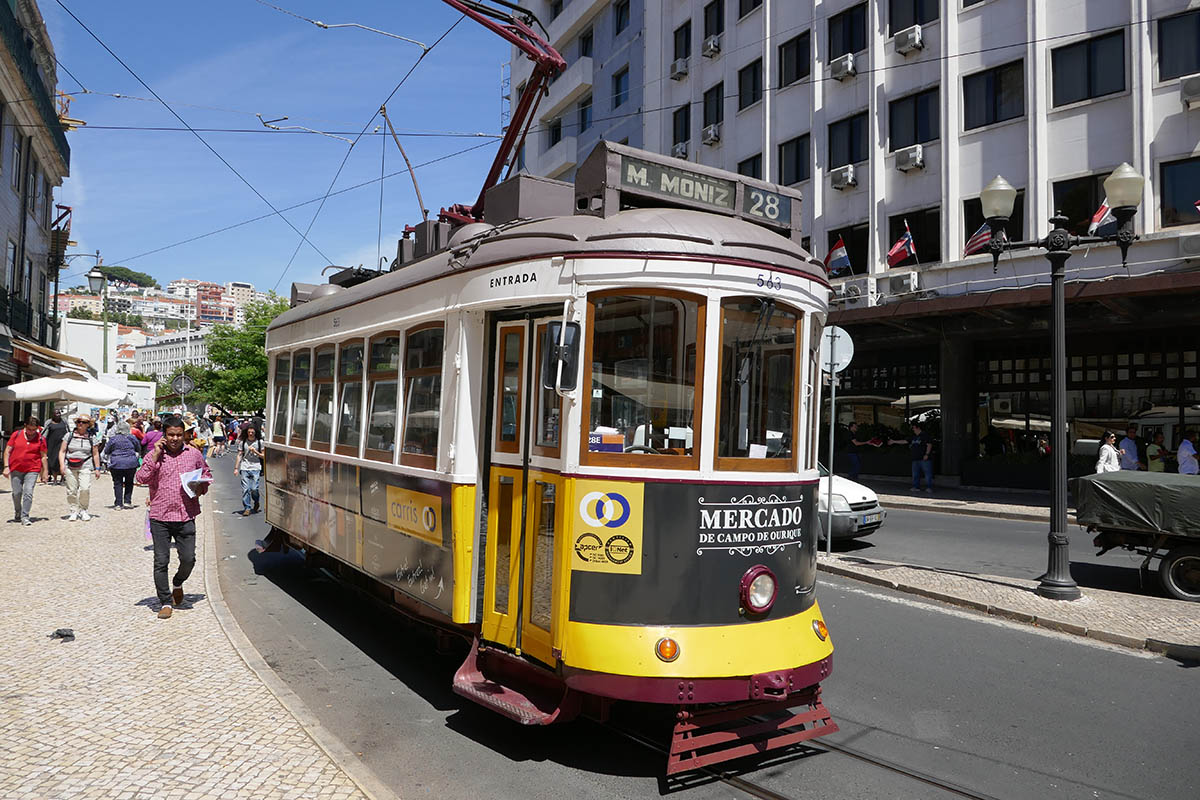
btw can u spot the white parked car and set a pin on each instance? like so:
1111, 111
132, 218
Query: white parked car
856, 509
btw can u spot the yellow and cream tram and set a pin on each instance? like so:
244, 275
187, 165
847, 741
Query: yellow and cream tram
585, 442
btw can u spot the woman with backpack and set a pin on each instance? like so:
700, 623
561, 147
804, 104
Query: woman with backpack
79, 457
248, 466
122, 451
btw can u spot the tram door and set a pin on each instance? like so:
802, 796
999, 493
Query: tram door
525, 487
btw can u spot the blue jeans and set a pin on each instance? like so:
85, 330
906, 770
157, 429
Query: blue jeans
855, 465
919, 468
250, 479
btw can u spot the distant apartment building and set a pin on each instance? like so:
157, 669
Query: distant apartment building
162, 355
71, 302
240, 292
212, 306
183, 287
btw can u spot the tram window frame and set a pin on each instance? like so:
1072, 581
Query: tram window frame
540, 406
411, 459
746, 463
814, 383
374, 378
343, 382
694, 354
503, 332
282, 382
297, 382
319, 380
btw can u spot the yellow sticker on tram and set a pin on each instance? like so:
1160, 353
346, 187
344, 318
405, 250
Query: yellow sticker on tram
606, 530
415, 513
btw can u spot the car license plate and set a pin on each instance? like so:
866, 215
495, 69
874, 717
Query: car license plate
869, 519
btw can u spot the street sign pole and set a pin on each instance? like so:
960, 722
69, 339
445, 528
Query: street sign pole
837, 349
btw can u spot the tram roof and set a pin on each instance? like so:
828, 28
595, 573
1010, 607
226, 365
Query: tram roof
641, 232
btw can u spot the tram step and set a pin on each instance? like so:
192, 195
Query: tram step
513, 687
723, 733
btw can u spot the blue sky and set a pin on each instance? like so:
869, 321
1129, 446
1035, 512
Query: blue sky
221, 61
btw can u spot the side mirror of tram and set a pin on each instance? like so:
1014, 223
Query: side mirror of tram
560, 349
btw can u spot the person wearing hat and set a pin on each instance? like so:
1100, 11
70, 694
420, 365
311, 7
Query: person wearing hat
79, 457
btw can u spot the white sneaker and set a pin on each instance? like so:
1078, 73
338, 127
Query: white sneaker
83, 515
73, 518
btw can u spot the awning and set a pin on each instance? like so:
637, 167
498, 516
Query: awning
50, 360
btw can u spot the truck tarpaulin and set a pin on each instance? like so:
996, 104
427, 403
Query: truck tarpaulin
1140, 501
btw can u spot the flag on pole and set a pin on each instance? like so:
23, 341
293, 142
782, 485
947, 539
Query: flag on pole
837, 261
979, 240
903, 248
1103, 221
1197, 205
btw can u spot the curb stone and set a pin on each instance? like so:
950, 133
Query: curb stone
971, 512
358, 772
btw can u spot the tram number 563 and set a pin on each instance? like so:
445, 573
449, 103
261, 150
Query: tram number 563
767, 205
770, 281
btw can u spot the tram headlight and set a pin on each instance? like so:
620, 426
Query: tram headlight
758, 589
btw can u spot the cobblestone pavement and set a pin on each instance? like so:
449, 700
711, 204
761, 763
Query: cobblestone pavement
134, 707
976, 508
1160, 624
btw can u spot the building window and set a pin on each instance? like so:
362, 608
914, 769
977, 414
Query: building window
913, 119
714, 18
848, 141
906, 13
925, 226
795, 61
746, 6
714, 105
554, 132
18, 149
973, 218
586, 40
620, 16
683, 40
794, 160
969, 3
1180, 192
10, 267
1179, 45
848, 31
681, 125
994, 95
750, 84
1089, 69
1078, 199
751, 167
855, 239
620, 87
585, 113
422, 395
556, 7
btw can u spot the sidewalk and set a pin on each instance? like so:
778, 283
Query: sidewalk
137, 707
1171, 627
1023, 505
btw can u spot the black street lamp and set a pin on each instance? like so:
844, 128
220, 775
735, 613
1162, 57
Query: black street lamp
1124, 192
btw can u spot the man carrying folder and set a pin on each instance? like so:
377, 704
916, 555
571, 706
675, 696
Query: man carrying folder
177, 475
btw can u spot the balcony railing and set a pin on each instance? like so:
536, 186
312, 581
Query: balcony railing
14, 40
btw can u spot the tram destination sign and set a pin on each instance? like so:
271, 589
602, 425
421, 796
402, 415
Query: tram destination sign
693, 188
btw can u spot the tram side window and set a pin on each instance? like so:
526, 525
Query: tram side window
282, 378
757, 404
422, 395
350, 384
384, 368
814, 390
645, 356
323, 372
300, 377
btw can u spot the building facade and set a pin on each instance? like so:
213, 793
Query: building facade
892, 116
162, 355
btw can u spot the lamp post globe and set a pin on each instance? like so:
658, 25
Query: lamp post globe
1124, 187
997, 199
95, 280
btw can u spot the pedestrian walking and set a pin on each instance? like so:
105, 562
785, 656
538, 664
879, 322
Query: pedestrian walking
1157, 454
80, 457
1129, 450
24, 460
1186, 455
173, 511
1108, 458
54, 432
151, 436
122, 450
248, 466
218, 437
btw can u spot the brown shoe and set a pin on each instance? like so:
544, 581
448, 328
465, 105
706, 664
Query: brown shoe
246, 512
164, 612
177, 595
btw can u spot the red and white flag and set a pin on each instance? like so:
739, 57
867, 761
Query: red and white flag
979, 240
1197, 205
1103, 218
903, 248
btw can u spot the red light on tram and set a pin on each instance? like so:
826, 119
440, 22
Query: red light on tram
758, 589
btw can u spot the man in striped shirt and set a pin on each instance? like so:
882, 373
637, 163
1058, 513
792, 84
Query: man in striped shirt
172, 511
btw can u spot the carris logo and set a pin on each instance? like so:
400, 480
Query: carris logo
608, 509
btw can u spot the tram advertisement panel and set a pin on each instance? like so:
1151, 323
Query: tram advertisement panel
416, 507
698, 539
416, 567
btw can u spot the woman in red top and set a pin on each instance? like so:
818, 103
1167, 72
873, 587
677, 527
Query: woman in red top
24, 461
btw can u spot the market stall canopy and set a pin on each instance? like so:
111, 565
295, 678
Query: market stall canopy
65, 386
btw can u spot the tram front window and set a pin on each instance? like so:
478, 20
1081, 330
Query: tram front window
758, 381
644, 355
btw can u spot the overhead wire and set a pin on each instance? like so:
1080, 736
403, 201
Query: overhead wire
174, 113
327, 26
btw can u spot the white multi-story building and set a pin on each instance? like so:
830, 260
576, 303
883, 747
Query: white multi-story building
183, 287
162, 355
895, 114
240, 292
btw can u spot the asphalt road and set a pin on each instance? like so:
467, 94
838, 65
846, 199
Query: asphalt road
1001, 709
993, 546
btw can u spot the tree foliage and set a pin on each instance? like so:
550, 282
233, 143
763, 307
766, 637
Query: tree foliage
115, 317
143, 376
204, 377
80, 313
126, 275
239, 357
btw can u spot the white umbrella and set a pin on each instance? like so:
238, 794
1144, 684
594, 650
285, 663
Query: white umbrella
65, 386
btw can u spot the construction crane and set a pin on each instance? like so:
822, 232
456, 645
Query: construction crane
515, 25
